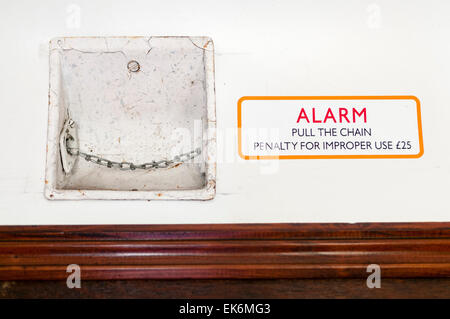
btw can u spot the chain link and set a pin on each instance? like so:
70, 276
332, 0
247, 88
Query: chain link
128, 166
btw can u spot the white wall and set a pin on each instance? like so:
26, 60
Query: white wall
262, 48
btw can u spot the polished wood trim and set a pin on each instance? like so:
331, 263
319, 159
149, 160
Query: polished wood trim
227, 231
225, 251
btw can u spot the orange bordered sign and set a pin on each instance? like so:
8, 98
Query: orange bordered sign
314, 127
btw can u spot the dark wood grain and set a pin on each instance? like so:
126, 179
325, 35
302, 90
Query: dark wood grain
230, 289
226, 231
405, 250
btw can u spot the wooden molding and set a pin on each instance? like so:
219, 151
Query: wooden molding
403, 250
317, 288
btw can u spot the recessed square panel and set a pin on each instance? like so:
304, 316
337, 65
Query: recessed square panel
131, 118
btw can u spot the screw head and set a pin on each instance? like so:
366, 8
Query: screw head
133, 66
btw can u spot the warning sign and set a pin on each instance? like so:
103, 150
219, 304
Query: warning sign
329, 127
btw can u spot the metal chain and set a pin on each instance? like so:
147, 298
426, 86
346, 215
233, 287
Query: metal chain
128, 166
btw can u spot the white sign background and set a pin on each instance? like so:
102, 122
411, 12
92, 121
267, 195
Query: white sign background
272, 121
